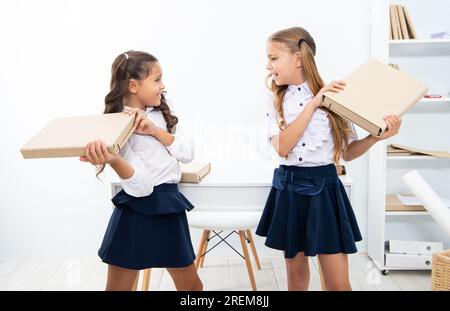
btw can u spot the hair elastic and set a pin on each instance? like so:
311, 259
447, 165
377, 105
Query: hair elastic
126, 55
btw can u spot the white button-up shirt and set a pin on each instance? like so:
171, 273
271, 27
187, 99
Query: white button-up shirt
154, 163
316, 146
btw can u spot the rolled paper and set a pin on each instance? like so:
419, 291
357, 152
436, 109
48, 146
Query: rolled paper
430, 199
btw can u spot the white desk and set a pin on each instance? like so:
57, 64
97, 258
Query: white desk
243, 188
234, 187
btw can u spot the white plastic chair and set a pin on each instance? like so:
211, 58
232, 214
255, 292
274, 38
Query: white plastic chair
213, 223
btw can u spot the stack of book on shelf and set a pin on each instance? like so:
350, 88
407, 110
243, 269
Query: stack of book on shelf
400, 150
401, 23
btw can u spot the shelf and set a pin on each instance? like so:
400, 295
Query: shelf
424, 42
435, 100
419, 47
426, 59
391, 158
406, 213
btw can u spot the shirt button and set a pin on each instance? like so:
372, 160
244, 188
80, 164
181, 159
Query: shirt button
300, 159
299, 89
301, 104
267, 115
303, 144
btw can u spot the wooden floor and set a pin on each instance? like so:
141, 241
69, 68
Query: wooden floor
217, 274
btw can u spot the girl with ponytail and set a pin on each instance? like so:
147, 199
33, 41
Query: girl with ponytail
307, 212
148, 227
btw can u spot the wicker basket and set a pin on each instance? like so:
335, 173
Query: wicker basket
440, 276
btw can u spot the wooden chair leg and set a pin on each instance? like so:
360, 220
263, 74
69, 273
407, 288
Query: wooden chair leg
135, 284
146, 279
322, 281
247, 260
253, 248
200, 249
202, 259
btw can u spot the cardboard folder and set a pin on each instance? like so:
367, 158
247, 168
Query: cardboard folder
395, 149
194, 172
372, 91
68, 137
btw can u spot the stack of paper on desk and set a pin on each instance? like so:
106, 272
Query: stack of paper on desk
373, 91
67, 137
194, 172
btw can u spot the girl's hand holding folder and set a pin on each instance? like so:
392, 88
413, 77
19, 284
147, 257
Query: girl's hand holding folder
334, 86
393, 126
97, 153
143, 125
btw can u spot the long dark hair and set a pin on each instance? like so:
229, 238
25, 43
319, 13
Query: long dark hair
135, 65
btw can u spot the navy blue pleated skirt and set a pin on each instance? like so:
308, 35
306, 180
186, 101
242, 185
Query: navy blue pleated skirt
149, 232
308, 211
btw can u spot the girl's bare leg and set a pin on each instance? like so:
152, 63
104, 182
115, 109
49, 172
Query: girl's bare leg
335, 271
298, 272
186, 278
120, 279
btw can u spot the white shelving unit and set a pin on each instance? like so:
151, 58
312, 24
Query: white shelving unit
429, 61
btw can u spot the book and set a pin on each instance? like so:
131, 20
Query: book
392, 151
68, 137
401, 25
399, 29
402, 20
409, 151
373, 91
394, 21
194, 172
411, 30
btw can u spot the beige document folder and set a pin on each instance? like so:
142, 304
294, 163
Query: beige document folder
409, 24
373, 91
67, 137
393, 19
194, 172
402, 19
394, 148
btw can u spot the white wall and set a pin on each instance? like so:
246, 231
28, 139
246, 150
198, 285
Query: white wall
55, 61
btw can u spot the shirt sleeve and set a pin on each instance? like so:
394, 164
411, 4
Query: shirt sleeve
182, 147
352, 135
272, 125
141, 183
